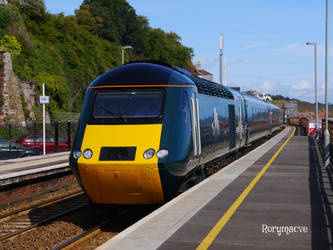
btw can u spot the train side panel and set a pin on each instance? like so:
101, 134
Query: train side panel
176, 137
258, 120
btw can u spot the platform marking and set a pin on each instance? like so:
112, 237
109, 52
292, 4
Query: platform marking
221, 223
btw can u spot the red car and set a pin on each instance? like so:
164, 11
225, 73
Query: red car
36, 141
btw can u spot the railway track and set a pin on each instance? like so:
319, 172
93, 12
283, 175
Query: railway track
108, 227
90, 232
23, 220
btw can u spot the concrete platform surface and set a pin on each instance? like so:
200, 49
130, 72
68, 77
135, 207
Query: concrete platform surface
289, 207
33, 164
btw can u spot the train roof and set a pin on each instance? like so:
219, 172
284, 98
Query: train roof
142, 73
156, 74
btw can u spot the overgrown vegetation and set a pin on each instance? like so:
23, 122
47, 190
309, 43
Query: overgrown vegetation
302, 106
68, 52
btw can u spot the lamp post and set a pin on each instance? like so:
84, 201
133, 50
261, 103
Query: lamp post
221, 56
122, 52
315, 75
326, 132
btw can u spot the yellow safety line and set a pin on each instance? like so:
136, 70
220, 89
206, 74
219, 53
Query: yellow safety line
221, 223
24, 163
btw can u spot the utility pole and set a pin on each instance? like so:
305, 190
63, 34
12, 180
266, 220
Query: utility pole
44, 100
315, 75
221, 57
225, 71
44, 146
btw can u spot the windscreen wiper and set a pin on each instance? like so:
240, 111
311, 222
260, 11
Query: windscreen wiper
113, 114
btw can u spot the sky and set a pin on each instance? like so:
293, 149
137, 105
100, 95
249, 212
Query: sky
264, 40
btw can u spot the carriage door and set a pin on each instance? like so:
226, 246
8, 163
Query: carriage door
270, 120
240, 124
232, 126
195, 125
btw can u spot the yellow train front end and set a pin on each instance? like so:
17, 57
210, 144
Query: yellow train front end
121, 181
119, 143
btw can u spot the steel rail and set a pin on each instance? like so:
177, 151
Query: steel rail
41, 204
88, 233
43, 221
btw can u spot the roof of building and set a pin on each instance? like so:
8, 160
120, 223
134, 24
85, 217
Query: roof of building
203, 72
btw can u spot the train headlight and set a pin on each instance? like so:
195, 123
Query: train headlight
149, 153
87, 153
162, 153
77, 154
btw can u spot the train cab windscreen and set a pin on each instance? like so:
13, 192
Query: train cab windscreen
128, 107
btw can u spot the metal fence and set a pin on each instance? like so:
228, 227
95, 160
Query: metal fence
59, 135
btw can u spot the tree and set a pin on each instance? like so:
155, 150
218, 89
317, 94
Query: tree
35, 9
86, 19
57, 88
120, 23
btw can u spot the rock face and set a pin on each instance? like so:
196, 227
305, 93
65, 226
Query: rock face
12, 91
12, 110
28, 91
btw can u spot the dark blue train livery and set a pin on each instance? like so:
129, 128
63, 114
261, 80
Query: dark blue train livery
149, 130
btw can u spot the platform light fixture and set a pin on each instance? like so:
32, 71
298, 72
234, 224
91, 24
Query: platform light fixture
315, 76
123, 48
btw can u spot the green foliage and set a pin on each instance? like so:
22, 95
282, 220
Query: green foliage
123, 26
166, 47
57, 88
26, 112
279, 97
34, 9
86, 19
10, 44
15, 132
119, 20
4, 17
68, 52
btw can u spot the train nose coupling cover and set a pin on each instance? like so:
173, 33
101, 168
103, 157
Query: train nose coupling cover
117, 154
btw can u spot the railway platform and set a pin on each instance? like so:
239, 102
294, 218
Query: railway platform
22, 177
17, 170
278, 196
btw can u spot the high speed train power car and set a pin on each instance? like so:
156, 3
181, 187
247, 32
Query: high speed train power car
146, 129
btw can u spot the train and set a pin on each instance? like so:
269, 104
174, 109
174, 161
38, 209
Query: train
148, 129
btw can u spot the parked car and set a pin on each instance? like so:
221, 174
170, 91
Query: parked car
36, 141
10, 150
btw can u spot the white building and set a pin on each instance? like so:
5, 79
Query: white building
203, 73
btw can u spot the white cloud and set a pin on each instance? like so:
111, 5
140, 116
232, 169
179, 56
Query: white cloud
256, 45
267, 86
292, 45
302, 85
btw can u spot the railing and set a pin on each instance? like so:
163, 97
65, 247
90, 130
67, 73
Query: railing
59, 137
330, 129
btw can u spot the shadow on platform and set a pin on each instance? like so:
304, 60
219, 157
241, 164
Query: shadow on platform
321, 186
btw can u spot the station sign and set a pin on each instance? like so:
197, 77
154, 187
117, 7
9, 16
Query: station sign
44, 99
